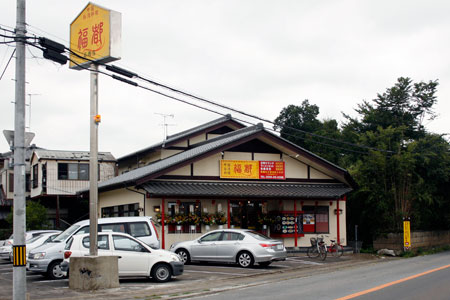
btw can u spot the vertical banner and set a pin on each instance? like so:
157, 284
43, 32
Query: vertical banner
406, 235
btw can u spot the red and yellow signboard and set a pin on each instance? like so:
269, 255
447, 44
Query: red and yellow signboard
95, 35
252, 169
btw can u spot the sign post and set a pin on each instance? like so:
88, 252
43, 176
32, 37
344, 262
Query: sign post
95, 36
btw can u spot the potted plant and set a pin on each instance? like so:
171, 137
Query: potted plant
220, 219
207, 220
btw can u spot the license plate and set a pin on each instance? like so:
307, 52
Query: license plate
279, 247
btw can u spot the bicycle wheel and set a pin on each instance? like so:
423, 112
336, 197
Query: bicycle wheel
337, 250
322, 252
313, 252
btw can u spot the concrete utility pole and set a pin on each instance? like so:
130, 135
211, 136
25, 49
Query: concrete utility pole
93, 162
19, 271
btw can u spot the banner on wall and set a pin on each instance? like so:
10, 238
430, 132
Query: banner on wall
252, 169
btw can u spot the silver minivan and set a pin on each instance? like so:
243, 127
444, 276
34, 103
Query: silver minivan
45, 259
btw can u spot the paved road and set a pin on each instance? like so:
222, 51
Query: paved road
414, 278
41, 288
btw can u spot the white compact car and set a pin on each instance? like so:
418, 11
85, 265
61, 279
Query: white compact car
135, 257
37, 241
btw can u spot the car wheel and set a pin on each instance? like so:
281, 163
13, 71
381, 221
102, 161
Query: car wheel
265, 263
54, 270
245, 259
161, 273
184, 255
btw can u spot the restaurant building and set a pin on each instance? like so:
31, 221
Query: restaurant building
225, 174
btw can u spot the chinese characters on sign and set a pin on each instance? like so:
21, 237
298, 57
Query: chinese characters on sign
271, 170
240, 169
250, 169
95, 36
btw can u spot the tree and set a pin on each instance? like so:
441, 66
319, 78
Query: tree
36, 216
294, 122
299, 124
409, 175
404, 104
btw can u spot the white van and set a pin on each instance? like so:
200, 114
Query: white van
45, 259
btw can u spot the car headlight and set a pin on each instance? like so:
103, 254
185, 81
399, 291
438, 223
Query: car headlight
38, 255
175, 258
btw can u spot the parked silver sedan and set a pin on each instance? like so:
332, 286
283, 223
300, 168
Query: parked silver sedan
242, 246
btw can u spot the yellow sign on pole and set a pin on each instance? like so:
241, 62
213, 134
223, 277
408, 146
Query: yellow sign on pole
95, 35
406, 235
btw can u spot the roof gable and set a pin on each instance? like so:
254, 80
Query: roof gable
253, 135
218, 126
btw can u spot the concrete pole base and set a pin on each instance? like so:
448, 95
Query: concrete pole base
93, 272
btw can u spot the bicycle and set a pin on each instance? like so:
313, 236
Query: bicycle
318, 248
336, 249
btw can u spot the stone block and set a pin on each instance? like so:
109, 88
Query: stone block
93, 272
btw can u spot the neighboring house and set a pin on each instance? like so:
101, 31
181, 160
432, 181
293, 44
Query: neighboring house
57, 175
255, 178
7, 180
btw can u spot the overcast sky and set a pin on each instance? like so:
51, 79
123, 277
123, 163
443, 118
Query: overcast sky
256, 56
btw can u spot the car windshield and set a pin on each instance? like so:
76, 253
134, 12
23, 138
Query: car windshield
258, 236
33, 239
64, 235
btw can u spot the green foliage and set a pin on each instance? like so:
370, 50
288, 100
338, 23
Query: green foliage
36, 216
407, 171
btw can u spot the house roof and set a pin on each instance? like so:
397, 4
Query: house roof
71, 155
173, 139
201, 150
246, 190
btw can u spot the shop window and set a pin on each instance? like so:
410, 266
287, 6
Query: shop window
121, 210
315, 219
180, 222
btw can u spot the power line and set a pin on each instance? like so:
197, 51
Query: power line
129, 74
12, 54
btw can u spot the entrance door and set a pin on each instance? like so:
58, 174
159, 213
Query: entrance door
244, 214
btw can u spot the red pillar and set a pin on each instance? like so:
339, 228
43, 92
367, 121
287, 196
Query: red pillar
337, 220
228, 214
295, 218
163, 242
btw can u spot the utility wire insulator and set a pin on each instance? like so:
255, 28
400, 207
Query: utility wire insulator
120, 71
124, 80
49, 44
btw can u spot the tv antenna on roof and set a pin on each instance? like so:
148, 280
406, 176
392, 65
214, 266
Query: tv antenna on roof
165, 125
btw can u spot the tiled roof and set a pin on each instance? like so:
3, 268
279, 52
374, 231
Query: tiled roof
246, 190
71, 155
202, 148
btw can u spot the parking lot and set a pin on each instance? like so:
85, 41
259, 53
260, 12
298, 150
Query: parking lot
41, 288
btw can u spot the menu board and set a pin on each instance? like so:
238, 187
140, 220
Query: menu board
284, 223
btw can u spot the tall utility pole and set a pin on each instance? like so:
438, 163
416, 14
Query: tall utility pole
19, 271
94, 120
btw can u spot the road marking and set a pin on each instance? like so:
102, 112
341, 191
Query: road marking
208, 272
60, 280
306, 262
391, 283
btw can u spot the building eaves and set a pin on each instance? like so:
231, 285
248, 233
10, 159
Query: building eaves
246, 190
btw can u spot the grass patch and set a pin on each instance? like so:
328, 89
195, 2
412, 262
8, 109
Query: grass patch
421, 251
